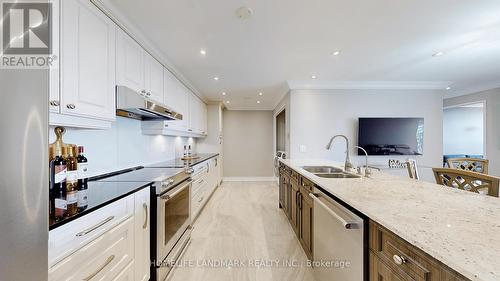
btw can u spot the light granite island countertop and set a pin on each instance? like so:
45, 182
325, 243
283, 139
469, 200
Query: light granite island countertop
459, 228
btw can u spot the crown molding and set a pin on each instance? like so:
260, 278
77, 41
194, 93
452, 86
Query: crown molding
367, 85
472, 89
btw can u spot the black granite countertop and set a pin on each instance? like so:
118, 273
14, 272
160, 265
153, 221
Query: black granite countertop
101, 194
179, 163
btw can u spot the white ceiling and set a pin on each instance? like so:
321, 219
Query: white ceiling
382, 40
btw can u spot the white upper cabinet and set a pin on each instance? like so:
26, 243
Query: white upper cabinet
87, 61
130, 64
154, 78
175, 94
193, 113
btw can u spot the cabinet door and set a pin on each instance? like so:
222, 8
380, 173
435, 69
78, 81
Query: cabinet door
176, 97
87, 61
54, 97
203, 118
130, 62
142, 227
294, 205
306, 220
153, 78
193, 113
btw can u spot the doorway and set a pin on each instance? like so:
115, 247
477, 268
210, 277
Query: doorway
464, 131
281, 131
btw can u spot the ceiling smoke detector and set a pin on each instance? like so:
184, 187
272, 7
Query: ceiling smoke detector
244, 13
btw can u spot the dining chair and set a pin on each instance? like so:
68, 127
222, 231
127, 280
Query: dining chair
411, 166
469, 164
467, 180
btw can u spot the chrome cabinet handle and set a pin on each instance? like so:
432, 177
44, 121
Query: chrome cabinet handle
145, 206
201, 199
399, 260
190, 130
190, 171
54, 103
346, 224
201, 181
71, 106
90, 229
106, 263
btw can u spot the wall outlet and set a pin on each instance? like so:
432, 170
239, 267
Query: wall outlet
303, 148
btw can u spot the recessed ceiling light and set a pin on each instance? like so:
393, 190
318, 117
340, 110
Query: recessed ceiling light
438, 54
260, 94
448, 88
228, 102
336, 53
313, 77
223, 93
216, 78
244, 13
203, 51
258, 101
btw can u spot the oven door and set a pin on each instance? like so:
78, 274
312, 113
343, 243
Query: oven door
173, 217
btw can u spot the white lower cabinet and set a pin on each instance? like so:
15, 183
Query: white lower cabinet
102, 259
204, 185
111, 243
142, 228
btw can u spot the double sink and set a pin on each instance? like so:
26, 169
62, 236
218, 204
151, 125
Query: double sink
329, 172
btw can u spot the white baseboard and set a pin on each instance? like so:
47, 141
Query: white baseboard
232, 179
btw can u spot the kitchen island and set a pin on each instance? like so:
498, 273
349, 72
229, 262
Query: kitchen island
457, 228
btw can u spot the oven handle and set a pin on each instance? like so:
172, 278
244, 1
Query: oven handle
173, 193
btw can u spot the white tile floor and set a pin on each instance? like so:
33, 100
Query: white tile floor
243, 224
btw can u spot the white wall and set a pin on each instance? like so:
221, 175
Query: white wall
492, 98
318, 115
248, 144
463, 130
123, 146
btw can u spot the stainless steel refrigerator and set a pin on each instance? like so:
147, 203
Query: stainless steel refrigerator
23, 175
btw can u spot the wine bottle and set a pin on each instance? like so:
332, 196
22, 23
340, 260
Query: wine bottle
59, 188
72, 181
82, 180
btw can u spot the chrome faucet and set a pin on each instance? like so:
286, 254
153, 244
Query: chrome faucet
368, 171
348, 165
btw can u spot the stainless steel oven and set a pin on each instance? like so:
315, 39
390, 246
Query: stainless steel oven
173, 217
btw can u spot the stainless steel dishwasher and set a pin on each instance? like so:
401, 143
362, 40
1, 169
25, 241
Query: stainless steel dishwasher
339, 241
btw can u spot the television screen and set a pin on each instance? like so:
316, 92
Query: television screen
391, 136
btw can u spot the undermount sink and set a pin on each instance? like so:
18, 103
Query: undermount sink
338, 175
322, 169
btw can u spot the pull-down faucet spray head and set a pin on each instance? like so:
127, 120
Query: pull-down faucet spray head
348, 165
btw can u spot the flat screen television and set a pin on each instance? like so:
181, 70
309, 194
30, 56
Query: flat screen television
391, 136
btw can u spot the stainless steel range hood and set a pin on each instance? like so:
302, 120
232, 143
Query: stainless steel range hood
131, 104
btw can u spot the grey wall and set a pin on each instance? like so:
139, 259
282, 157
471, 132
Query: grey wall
492, 98
248, 143
463, 130
318, 115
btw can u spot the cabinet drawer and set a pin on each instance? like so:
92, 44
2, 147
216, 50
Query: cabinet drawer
102, 259
198, 184
401, 256
197, 202
72, 236
306, 184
